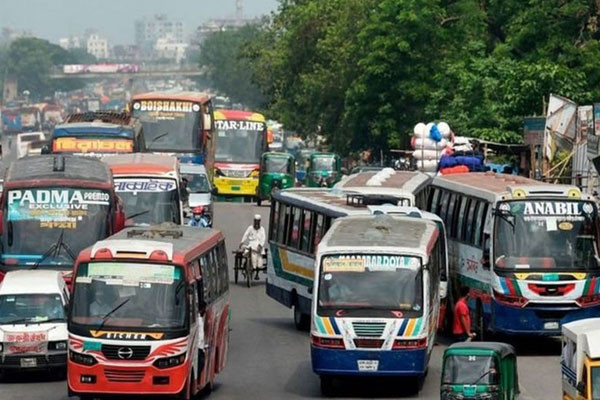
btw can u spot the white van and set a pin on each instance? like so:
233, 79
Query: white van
33, 321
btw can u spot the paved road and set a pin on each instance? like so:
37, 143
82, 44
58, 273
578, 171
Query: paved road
269, 359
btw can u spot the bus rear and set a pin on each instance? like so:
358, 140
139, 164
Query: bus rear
241, 139
149, 314
53, 207
376, 302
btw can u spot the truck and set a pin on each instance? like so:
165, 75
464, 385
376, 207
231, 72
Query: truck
580, 359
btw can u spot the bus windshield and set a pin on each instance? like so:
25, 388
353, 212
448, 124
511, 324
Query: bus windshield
197, 183
545, 235
166, 130
134, 295
31, 308
50, 226
374, 282
596, 383
470, 370
239, 141
149, 201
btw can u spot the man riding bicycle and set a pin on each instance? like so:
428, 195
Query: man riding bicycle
253, 243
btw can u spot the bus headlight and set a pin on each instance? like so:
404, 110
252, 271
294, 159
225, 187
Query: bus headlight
62, 345
254, 174
169, 362
82, 359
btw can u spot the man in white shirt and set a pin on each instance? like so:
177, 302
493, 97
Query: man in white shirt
253, 242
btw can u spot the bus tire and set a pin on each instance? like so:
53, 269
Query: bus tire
301, 320
327, 385
479, 323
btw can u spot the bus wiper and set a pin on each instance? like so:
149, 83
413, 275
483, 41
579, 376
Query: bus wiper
54, 250
137, 214
177, 290
505, 216
111, 312
10, 233
162, 135
19, 321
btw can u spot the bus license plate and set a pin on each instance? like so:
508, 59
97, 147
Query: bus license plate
236, 188
368, 365
551, 325
28, 363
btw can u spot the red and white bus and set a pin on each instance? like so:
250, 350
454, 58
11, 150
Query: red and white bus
149, 314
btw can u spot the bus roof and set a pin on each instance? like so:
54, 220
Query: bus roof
179, 243
221, 115
52, 167
333, 203
93, 128
493, 187
32, 282
199, 97
404, 234
141, 163
383, 181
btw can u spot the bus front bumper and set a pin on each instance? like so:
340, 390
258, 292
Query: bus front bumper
536, 319
389, 362
236, 186
111, 379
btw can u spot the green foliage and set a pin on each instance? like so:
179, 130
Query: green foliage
31, 60
224, 57
363, 72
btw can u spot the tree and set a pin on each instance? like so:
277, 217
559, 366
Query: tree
222, 55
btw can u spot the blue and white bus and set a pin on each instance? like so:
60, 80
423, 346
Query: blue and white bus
301, 216
376, 291
527, 250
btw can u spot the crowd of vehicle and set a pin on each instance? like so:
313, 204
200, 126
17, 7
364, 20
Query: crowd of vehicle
103, 280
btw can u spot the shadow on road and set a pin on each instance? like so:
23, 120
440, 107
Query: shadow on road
20, 378
284, 324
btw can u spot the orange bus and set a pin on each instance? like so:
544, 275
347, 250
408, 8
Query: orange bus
180, 123
149, 314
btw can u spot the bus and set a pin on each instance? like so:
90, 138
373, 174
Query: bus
54, 206
298, 220
97, 133
241, 139
149, 185
376, 302
528, 251
150, 313
178, 123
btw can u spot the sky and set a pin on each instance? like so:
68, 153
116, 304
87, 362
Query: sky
53, 19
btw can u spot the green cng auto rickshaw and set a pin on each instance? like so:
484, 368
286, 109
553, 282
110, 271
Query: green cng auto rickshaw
277, 170
324, 170
479, 370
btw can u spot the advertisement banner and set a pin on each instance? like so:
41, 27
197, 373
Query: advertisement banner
83, 146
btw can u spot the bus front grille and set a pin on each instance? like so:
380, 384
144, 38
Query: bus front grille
368, 329
368, 343
127, 353
115, 375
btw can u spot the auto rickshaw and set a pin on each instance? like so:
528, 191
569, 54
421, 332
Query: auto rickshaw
302, 156
324, 170
479, 370
277, 170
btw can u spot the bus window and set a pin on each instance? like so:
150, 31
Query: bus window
206, 280
479, 224
450, 214
461, 218
274, 219
306, 231
444, 207
470, 217
223, 267
434, 197
281, 226
295, 228
318, 231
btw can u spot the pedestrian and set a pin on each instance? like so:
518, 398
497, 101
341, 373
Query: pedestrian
461, 328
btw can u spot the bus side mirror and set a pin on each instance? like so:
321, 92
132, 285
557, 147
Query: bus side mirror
485, 261
310, 290
581, 388
1, 219
214, 191
45, 149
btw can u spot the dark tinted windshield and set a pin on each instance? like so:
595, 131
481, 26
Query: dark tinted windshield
36, 218
468, 370
170, 125
197, 183
31, 308
149, 201
150, 295
545, 234
239, 141
278, 165
371, 282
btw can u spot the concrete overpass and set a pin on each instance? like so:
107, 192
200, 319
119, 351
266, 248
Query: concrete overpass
139, 74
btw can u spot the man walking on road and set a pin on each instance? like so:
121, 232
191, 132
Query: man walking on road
461, 328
